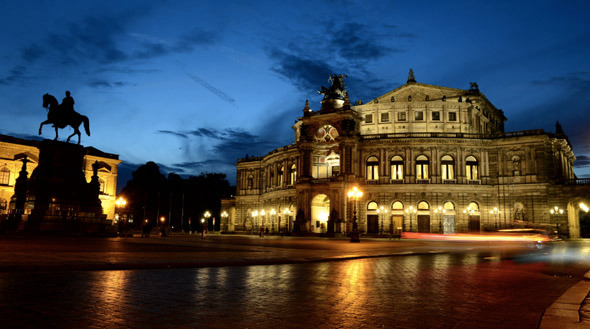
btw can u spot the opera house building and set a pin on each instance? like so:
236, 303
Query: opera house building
426, 158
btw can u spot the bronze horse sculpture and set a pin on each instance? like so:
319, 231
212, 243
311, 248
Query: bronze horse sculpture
60, 118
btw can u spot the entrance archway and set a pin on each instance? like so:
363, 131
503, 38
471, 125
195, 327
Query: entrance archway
320, 211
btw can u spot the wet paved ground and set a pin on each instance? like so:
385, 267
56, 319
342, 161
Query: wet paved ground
433, 285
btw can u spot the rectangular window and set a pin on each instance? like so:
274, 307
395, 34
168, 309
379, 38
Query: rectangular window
401, 116
397, 171
422, 171
419, 116
436, 116
452, 116
448, 172
4, 177
369, 118
384, 117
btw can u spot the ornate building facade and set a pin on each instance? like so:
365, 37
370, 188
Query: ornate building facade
427, 158
12, 150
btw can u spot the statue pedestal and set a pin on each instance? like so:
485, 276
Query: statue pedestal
58, 197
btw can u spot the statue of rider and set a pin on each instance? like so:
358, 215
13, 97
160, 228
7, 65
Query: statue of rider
67, 105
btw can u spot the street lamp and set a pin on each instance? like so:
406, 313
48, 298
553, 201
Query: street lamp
383, 212
496, 213
440, 211
411, 211
163, 226
120, 203
225, 215
556, 211
354, 194
207, 214
272, 213
287, 214
203, 227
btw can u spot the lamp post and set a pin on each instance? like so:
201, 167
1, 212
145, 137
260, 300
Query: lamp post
287, 214
383, 212
354, 194
556, 211
254, 215
411, 210
207, 214
440, 211
163, 226
203, 227
120, 203
225, 216
272, 213
496, 213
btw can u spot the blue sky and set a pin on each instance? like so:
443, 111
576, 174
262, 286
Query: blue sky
195, 85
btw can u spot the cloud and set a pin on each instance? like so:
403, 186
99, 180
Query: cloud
582, 161
32, 53
354, 42
196, 37
574, 81
102, 83
173, 133
16, 75
223, 96
302, 72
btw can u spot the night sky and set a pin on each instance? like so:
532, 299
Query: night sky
195, 85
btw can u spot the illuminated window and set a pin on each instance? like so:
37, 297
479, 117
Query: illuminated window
292, 174
471, 168
372, 205
281, 176
4, 176
369, 118
397, 205
397, 167
401, 116
372, 168
473, 207
447, 167
423, 205
422, 167
449, 206
103, 185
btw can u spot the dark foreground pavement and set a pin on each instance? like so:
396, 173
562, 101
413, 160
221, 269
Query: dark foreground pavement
65, 282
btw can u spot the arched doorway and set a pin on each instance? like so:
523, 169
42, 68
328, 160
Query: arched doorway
320, 211
473, 213
449, 218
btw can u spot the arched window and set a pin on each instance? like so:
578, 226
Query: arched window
292, 174
447, 167
281, 175
473, 208
449, 206
271, 175
103, 185
422, 167
471, 168
423, 205
397, 167
4, 176
372, 206
250, 182
372, 168
397, 205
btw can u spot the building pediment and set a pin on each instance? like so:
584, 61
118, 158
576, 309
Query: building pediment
416, 92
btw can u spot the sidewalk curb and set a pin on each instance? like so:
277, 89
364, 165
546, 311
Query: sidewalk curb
564, 313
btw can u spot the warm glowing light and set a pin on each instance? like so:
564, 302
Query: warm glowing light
273, 212
523, 236
162, 219
584, 207
207, 214
120, 202
224, 214
382, 209
262, 212
355, 193
255, 213
202, 220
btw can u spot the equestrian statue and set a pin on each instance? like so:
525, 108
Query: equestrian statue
64, 115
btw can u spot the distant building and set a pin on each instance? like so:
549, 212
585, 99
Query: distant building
11, 149
427, 158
